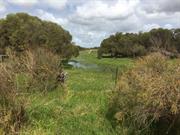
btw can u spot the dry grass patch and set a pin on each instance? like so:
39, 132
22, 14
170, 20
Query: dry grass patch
147, 99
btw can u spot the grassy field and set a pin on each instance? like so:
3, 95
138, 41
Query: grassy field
91, 57
81, 108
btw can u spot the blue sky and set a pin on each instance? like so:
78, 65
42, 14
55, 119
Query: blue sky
90, 21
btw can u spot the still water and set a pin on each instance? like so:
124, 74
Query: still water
77, 64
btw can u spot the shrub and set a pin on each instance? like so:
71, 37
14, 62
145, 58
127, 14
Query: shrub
138, 50
147, 99
12, 113
29, 70
44, 67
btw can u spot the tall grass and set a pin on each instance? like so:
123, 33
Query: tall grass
44, 68
147, 100
22, 73
12, 113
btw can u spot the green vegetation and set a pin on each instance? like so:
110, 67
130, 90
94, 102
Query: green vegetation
133, 45
90, 56
34, 49
106, 96
82, 106
21, 31
78, 109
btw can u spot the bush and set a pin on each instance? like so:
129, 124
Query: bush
147, 99
22, 72
138, 50
44, 67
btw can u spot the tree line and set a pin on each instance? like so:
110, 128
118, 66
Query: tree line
21, 31
138, 44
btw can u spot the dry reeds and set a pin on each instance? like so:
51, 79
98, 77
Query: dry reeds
26, 72
148, 96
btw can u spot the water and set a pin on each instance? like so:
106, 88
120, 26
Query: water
77, 64
95, 67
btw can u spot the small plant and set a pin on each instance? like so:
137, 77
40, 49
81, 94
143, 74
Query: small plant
147, 99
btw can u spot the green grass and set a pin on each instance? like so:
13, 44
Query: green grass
81, 108
91, 57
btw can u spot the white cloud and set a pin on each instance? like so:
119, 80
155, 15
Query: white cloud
2, 6
167, 6
168, 26
23, 2
55, 4
101, 9
87, 39
50, 17
148, 27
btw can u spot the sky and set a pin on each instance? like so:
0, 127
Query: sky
90, 21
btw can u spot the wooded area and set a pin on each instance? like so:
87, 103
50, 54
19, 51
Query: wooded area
139, 44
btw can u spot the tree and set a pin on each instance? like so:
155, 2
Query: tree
132, 44
21, 31
177, 39
161, 38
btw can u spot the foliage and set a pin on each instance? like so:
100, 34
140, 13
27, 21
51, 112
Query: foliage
177, 39
132, 44
21, 31
21, 73
81, 111
148, 97
44, 67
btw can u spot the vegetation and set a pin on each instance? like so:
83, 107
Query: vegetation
34, 101
30, 45
147, 98
82, 106
28, 72
79, 109
11, 109
90, 56
131, 45
21, 31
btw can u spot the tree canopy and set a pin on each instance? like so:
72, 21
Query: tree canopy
21, 31
138, 44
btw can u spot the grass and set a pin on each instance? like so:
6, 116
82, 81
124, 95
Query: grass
91, 57
81, 108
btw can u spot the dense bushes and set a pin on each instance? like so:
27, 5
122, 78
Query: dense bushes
147, 99
21, 73
21, 31
132, 44
34, 49
44, 67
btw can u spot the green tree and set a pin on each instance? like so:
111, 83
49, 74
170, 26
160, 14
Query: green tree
21, 31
